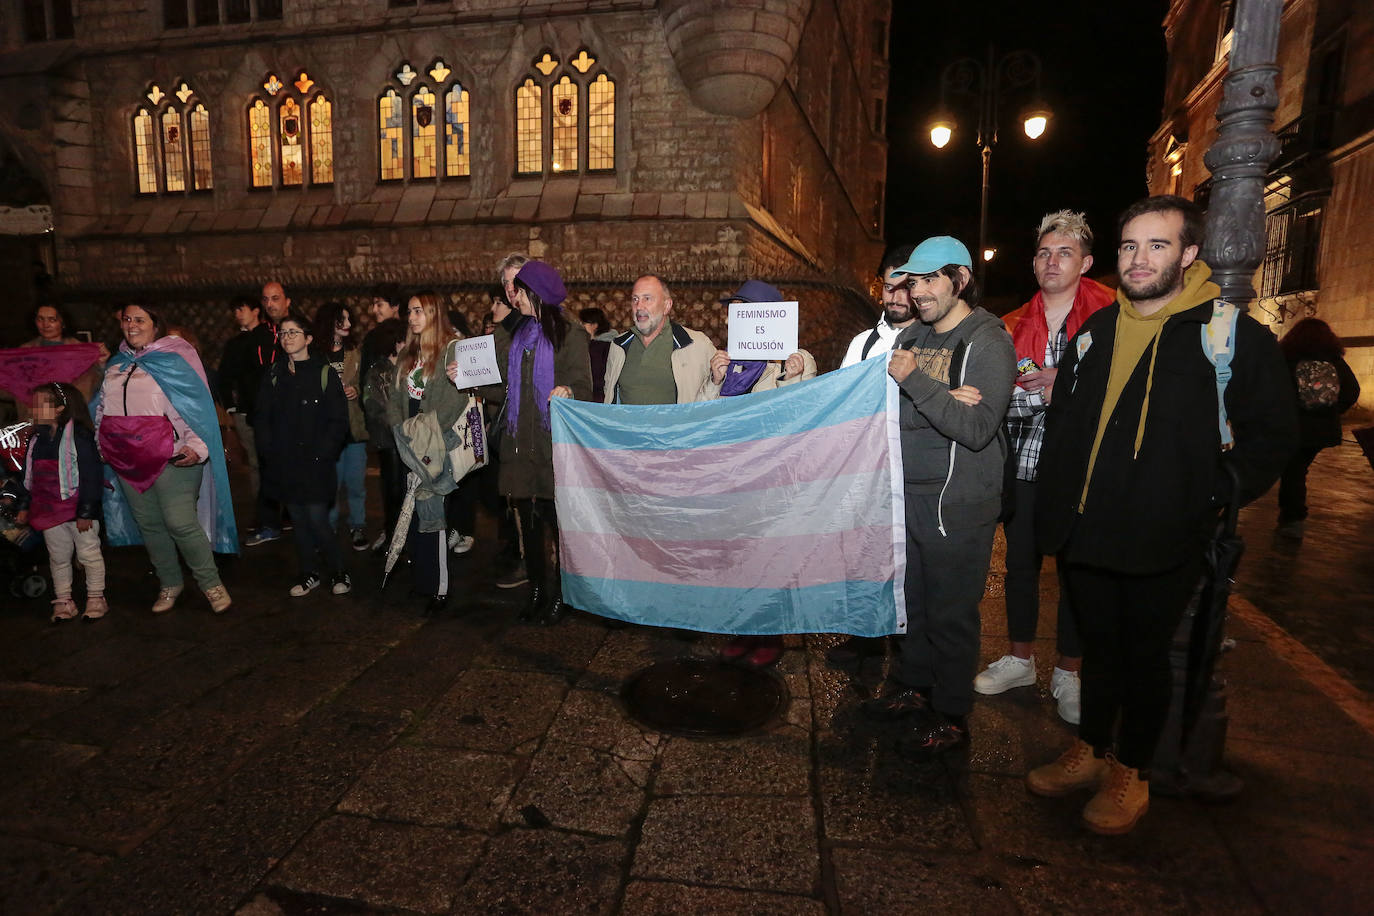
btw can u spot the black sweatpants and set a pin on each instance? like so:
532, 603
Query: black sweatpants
945, 579
1023, 579
1128, 624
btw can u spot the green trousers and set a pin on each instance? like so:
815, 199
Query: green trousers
166, 515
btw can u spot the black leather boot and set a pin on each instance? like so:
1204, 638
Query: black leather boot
435, 606
533, 605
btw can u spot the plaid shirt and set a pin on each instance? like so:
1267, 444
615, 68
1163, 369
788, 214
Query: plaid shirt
1026, 413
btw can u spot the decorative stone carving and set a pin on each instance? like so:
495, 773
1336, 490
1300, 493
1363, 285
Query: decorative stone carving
732, 54
1242, 152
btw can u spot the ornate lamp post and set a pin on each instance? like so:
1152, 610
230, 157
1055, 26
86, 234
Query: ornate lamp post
986, 82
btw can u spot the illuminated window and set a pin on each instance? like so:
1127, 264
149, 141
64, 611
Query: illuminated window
145, 145
565, 126
171, 143
291, 135
601, 124
422, 133
457, 155
423, 129
578, 117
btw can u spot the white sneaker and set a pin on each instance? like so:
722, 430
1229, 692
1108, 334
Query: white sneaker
453, 538
1067, 690
462, 543
1004, 674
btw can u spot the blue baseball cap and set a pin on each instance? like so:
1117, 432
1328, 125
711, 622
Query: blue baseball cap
754, 291
936, 252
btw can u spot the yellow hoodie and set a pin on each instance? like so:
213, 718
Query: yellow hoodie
1135, 333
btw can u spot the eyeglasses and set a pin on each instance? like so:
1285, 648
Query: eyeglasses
291, 332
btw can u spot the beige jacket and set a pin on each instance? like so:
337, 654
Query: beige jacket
691, 361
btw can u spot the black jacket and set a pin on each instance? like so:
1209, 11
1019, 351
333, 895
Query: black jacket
300, 428
1150, 512
1321, 427
247, 357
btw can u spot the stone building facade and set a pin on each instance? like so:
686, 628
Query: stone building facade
1319, 259
193, 149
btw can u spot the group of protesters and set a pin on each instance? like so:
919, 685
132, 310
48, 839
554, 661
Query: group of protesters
1085, 423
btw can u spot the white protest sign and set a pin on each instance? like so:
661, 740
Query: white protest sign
475, 358
762, 330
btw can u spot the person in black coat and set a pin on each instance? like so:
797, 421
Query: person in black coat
1325, 388
301, 423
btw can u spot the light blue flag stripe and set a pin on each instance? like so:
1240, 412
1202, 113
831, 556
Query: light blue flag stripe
838, 397
855, 607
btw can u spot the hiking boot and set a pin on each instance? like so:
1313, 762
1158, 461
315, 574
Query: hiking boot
896, 702
305, 586
1120, 803
513, 579
1077, 768
1067, 691
166, 598
219, 599
63, 609
341, 584
96, 607
261, 536
1004, 674
358, 538
933, 735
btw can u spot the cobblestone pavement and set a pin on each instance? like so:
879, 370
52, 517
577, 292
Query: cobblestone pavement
344, 755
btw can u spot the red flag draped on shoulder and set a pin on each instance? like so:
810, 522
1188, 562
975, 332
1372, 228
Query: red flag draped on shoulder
1029, 332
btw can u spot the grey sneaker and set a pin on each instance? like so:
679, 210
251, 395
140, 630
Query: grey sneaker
1067, 691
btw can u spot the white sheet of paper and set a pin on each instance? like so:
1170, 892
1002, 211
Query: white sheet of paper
762, 330
476, 359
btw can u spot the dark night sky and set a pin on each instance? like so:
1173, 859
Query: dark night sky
1102, 75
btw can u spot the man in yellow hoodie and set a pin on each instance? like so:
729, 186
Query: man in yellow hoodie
1132, 478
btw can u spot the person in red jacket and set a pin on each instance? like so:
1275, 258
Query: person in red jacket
1040, 331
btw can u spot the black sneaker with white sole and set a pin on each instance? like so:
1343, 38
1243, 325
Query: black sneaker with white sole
305, 586
341, 584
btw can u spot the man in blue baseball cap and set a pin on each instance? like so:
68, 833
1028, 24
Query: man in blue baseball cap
955, 368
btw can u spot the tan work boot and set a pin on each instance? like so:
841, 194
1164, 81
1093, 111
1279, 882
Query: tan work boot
219, 599
166, 599
1075, 769
1120, 803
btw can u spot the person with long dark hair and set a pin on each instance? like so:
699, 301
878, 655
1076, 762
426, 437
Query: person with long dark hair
333, 336
1325, 388
545, 357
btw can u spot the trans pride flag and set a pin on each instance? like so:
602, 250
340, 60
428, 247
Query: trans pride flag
769, 513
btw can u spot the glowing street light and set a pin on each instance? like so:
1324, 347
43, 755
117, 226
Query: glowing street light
989, 254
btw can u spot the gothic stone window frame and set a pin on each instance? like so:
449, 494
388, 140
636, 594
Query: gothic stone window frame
290, 135
171, 144
564, 117
424, 126
46, 20
190, 14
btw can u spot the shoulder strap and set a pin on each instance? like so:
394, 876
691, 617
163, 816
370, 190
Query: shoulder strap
873, 337
1219, 343
324, 377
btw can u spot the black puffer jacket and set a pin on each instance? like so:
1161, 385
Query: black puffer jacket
1150, 512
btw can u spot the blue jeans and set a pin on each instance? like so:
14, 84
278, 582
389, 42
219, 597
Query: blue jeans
352, 471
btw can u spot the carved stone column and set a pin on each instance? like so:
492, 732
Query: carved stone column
1243, 151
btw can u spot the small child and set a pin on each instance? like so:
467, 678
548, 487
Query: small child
62, 490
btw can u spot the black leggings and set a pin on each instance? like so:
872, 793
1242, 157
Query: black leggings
538, 531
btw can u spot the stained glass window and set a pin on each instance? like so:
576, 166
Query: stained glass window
292, 151
601, 124
457, 156
423, 132
201, 178
389, 125
173, 151
529, 129
321, 141
565, 125
144, 144
260, 144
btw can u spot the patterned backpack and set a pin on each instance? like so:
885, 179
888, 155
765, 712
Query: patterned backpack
1318, 384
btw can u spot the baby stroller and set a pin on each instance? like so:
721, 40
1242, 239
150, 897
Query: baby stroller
23, 555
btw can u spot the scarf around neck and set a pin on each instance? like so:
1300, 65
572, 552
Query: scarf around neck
529, 337
1030, 332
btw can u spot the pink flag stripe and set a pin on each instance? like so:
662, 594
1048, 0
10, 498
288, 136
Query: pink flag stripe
853, 447
857, 554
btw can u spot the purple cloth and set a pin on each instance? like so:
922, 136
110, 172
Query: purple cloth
742, 381
137, 448
529, 336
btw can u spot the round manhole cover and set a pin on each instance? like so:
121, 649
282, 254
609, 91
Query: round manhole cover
700, 698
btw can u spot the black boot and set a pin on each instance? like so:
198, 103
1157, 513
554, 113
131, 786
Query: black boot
553, 609
435, 606
533, 605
